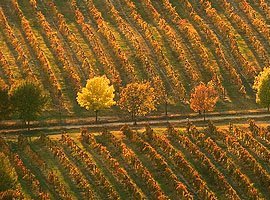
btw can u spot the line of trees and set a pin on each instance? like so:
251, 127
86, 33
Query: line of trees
140, 98
27, 101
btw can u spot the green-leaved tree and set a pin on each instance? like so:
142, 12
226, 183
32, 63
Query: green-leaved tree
97, 95
28, 101
262, 87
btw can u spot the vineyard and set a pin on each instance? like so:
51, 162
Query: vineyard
227, 163
60, 44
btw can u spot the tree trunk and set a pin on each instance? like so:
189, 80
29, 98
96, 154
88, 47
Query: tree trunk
268, 108
166, 108
60, 115
96, 111
28, 125
204, 115
132, 116
135, 120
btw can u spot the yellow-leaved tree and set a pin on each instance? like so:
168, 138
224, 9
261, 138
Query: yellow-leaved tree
262, 87
97, 95
203, 98
138, 99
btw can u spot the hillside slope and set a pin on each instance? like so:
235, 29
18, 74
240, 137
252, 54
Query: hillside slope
229, 163
60, 44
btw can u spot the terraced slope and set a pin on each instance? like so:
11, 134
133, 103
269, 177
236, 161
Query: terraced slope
60, 44
231, 163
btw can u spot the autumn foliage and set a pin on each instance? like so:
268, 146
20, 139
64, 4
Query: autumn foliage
137, 99
97, 95
203, 98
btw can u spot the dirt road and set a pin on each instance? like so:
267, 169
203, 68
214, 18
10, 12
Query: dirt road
264, 117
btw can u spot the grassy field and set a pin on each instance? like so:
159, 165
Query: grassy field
59, 44
163, 163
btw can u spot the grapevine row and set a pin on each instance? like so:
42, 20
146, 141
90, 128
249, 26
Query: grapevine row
244, 27
159, 161
57, 46
91, 167
204, 162
72, 39
120, 173
130, 157
188, 32
50, 177
111, 38
97, 47
234, 147
73, 171
54, 76
193, 177
226, 32
227, 163
252, 143
21, 58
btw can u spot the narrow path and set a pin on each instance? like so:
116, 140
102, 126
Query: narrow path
116, 124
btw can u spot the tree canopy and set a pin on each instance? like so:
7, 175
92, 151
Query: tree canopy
138, 99
203, 98
262, 87
97, 95
28, 100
